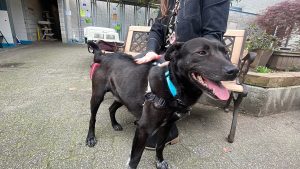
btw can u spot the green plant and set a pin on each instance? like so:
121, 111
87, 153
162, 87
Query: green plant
281, 19
263, 69
259, 39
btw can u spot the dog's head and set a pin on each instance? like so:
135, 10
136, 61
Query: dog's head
203, 63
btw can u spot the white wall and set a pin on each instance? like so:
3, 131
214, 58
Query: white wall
18, 18
255, 6
5, 26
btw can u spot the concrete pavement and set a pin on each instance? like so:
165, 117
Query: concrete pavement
44, 114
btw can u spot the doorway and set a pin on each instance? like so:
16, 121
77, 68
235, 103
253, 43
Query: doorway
50, 13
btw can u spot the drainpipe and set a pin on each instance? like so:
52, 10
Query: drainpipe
108, 11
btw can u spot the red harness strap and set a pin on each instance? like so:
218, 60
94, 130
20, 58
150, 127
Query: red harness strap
93, 69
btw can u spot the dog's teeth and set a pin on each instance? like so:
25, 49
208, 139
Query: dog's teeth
199, 78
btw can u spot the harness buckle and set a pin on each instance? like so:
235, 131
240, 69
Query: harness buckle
180, 102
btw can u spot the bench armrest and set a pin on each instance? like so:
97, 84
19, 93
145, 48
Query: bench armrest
244, 66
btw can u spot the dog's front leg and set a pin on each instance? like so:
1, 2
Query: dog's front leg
163, 133
138, 146
145, 127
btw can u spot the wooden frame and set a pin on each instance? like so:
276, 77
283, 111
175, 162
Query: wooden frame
238, 45
130, 36
237, 51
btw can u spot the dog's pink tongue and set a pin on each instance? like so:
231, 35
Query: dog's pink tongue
220, 91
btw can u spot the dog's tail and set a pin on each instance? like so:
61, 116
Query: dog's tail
94, 48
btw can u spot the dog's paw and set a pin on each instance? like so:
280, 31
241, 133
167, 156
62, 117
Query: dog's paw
91, 141
162, 165
127, 164
117, 127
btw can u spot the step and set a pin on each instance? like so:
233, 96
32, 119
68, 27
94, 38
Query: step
271, 80
49, 34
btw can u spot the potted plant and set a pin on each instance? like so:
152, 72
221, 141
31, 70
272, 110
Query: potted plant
283, 21
260, 42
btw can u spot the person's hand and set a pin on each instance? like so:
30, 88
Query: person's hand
147, 58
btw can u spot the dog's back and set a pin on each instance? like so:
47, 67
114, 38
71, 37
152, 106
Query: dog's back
119, 74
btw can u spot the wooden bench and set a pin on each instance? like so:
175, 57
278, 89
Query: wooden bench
136, 43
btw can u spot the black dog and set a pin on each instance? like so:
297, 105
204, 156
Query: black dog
195, 67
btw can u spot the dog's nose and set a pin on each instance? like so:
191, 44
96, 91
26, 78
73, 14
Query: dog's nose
231, 70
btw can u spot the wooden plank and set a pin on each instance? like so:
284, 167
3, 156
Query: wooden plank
237, 50
236, 33
140, 28
128, 41
232, 86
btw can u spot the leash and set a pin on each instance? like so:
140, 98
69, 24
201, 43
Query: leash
171, 37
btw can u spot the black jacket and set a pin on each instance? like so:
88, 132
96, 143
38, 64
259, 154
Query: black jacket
196, 18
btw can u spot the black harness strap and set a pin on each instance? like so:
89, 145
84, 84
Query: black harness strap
175, 102
158, 102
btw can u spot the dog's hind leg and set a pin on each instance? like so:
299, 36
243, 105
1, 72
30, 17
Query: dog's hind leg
96, 99
163, 133
112, 112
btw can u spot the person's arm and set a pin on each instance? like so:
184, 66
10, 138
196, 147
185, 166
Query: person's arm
156, 41
157, 36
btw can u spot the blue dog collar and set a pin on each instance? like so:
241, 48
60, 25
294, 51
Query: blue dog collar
171, 85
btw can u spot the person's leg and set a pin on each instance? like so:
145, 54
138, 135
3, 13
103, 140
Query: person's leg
189, 21
214, 18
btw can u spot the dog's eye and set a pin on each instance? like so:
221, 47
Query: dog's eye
202, 52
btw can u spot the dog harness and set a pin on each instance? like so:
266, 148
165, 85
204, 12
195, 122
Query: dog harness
171, 85
159, 102
94, 66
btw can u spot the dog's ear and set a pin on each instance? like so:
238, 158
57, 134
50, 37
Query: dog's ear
92, 47
173, 51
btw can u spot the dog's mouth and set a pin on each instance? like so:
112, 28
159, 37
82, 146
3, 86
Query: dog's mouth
216, 89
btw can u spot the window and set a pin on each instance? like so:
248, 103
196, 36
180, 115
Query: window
110, 37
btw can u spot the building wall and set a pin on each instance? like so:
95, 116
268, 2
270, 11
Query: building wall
255, 6
239, 20
32, 14
131, 15
61, 13
250, 8
5, 27
76, 30
16, 11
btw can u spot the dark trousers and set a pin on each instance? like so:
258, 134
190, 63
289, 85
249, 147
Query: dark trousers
202, 18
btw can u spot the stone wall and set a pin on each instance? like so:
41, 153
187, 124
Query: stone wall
263, 101
32, 14
60, 4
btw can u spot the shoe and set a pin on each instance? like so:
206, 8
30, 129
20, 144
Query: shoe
173, 138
